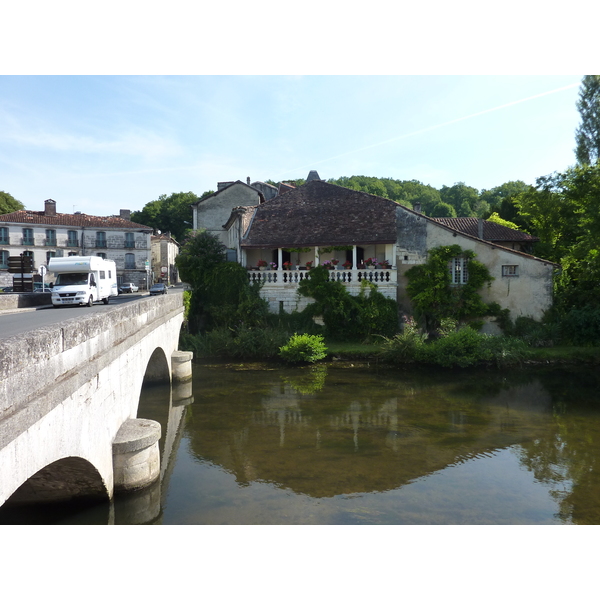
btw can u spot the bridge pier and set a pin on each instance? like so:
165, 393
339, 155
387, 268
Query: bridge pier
136, 457
181, 365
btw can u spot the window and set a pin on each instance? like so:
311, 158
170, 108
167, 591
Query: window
130, 261
3, 259
73, 254
50, 255
27, 237
459, 274
129, 241
72, 239
100, 239
50, 237
102, 274
101, 255
510, 270
4, 235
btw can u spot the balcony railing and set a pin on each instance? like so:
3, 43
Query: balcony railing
100, 243
347, 276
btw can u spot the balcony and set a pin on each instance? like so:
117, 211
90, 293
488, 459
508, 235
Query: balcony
49, 242
129, 244
27, 242
349, 277
100, 243
72, 244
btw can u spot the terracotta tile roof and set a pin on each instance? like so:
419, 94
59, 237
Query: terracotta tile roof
33, 217
492, 232
322, 214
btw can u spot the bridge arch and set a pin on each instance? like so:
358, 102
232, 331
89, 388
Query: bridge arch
158, 369
70, 478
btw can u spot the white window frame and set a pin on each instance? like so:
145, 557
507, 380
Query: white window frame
459, 273
510, 270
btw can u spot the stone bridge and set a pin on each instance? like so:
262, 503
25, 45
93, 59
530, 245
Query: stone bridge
69, 396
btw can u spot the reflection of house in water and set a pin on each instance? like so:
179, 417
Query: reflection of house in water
381, 439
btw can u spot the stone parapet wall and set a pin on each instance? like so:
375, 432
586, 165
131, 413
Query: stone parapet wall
13, 301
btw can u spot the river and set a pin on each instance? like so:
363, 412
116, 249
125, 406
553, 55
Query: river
364, 444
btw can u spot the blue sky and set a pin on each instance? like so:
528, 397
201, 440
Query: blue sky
97, 144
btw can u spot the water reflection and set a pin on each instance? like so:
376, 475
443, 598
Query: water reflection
371, 432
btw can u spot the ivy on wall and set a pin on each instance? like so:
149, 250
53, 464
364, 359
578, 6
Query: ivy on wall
434, 297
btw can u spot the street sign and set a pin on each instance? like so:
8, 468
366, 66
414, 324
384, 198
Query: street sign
20, 264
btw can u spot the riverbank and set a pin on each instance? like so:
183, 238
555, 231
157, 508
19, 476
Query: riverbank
573, 355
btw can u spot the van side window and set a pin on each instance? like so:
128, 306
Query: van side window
102, 275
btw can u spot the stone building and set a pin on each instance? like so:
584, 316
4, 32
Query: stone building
164, 252
321, 223
47, 233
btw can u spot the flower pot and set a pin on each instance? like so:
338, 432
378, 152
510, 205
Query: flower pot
262, 268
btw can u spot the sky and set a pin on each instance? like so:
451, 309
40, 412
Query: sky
101, 143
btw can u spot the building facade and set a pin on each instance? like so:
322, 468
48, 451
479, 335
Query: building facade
45, 234
164, 252
319, 223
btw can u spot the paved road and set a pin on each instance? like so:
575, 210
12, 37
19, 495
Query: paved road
19, 323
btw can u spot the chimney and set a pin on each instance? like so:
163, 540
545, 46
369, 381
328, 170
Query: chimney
49, 208
480, 228
125, 214
417, 207
248, 180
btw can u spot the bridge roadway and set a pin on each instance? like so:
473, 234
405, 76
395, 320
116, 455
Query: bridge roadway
67, 388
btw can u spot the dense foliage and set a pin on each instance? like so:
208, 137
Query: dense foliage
221, 293
169, 213
9, 204
453, 347
348, 317
434, 298
588, 133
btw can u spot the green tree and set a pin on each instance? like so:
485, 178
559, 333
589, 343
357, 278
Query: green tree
587, 135
442, 209
169, 213
457, 195
9, 204
221, 293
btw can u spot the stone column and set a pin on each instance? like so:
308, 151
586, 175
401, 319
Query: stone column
354, 265
181, 365
279, 259
136, 457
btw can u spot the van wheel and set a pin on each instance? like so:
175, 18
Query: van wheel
105, 300
90, 301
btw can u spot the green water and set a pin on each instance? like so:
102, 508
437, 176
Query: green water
345, 444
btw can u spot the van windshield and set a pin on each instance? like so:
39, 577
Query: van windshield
72, 279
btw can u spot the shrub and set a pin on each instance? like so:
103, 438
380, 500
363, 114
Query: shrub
405, 347
581, 326
466, 347
304, 348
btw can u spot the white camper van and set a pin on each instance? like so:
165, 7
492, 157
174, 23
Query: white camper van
83, 280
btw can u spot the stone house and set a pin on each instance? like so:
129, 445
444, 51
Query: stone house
320, 222
164, 252
47, 233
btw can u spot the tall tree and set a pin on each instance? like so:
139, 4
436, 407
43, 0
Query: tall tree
9, 204
461, 196
169, 213
587, 134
